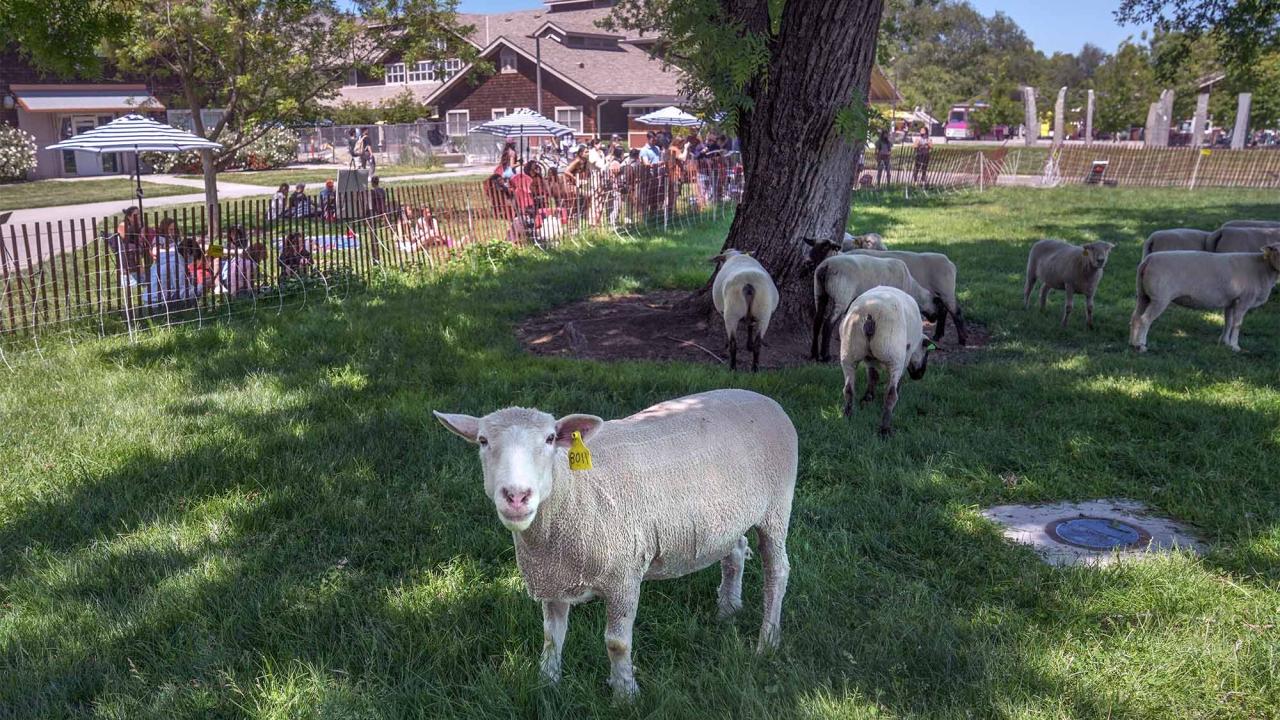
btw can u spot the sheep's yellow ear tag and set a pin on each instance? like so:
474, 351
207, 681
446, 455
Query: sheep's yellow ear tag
579, 455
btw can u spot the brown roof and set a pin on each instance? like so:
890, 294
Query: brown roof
375, 94
626, 70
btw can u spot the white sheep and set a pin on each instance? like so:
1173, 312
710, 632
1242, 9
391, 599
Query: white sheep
1176, 239
882, 328
1061, 266
1233, 282
841, 278
867, 241
743, 290
1239, 237
671, 490
934, 271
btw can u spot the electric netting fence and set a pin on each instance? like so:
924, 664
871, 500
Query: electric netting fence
110, 276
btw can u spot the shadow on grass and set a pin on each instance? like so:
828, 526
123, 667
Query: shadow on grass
316, 540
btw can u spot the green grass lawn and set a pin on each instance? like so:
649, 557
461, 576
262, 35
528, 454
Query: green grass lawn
49, 193
303, 174
262, 518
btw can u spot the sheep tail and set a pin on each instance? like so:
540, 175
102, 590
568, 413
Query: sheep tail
749, 294
869, 327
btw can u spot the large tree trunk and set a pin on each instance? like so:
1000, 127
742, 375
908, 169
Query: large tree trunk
799, 167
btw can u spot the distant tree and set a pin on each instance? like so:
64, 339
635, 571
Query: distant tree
1245, 29
1126, 87
62, 37
1004, 108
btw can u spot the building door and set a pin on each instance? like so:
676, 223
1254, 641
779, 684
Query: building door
85, 163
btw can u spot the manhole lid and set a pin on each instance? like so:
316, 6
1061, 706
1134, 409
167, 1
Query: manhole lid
1095, 533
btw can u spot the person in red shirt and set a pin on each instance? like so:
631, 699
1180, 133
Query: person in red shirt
522, 186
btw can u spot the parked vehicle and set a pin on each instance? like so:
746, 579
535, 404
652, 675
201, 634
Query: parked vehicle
958, 125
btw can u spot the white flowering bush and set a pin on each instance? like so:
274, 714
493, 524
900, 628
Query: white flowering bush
17, 152
276, 148
183, 162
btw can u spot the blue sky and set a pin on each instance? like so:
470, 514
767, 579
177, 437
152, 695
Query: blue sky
1051, 24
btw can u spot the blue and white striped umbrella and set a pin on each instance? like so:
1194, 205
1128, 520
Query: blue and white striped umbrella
670, 115
135, 133
523, 123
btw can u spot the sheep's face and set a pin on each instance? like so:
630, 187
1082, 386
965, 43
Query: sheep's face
519, 449
919, 360
1095, 254
870, 241
820, 250
1272, 254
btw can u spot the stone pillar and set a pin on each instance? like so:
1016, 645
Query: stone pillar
1158, 119
1243, 107
1150, 130
1060, 117
1088, 120
1197, 123
1030, 118
1166, 116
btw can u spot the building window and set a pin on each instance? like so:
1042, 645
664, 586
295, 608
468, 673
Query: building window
457, 122
507, 60
498, 113
422, 71
395, 73
451, 68
570, 117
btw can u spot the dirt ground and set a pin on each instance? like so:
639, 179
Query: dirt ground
667, 325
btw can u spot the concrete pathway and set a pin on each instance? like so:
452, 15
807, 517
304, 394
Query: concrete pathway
90, 212
226, 191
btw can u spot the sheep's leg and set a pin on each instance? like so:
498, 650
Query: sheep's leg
848, 393
890, 401
827, 327
753, 337
1044, 296
819, 320
1234, 318
730, 592
771, 539
733, 351
620, 616
1068, 304
940, 325
1142, 322
962, 335
1241, 310
1088, 309
1027, 288
555, 622
873, 379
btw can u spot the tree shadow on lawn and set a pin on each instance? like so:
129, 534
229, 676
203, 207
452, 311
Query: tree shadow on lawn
353, 536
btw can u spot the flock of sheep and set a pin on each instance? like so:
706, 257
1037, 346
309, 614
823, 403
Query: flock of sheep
597, 507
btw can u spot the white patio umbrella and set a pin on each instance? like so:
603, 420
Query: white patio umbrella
671, 116
135, 134
524, 123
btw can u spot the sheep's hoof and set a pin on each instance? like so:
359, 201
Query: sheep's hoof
1139, 348
727, 609
886, 432
770, 639
624, 689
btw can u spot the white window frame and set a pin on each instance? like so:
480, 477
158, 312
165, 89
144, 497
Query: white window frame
450, 120
582, 117
451, 67
508, 54
422, 71
394, 73
498, 113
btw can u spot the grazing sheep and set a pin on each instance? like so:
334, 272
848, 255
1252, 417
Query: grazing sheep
937, 274
842, 278
1233, 282
669, 491
743, 290
1061, 266
883, 328
1176, 239
1234, 238
869, 241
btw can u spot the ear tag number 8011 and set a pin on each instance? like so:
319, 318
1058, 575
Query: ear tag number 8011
579, 455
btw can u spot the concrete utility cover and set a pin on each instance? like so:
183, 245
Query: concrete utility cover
1096, 532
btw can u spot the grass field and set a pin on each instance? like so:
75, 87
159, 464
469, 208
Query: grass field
48, 193
303, 174
262, 519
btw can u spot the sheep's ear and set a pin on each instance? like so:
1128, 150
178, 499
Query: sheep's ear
1110, 246
464, 426
569, 424
811, 241
716, 258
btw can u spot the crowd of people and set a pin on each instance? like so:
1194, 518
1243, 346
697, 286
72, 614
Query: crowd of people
172, 270
600, 182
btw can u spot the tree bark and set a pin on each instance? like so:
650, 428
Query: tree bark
798, 165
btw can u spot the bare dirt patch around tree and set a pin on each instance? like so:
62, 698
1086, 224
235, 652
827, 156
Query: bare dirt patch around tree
671, 325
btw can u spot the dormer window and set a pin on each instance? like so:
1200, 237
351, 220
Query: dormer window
507, 60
